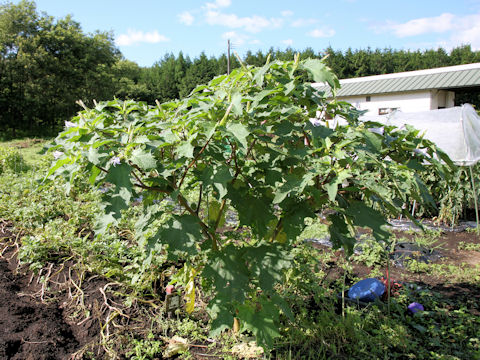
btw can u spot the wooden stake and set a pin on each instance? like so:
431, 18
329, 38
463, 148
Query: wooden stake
474, 197
236, 326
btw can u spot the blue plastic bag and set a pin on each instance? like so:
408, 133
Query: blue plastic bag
367, 290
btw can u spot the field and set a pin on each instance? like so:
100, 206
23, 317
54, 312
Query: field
64, 294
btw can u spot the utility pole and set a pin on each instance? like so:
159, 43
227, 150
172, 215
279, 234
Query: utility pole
228, 56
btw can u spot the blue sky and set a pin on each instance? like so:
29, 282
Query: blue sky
145, 30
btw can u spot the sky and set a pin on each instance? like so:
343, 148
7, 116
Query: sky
146, 30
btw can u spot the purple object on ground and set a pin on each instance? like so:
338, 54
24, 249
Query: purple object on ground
414, 307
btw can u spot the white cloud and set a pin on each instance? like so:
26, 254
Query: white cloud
239, 39
213, 13
135, 37
218, 4
456, 30
321, 33
224, 3
303, 22
437, 24
235, 38
186, 18
288, 42
467, 32
252, 24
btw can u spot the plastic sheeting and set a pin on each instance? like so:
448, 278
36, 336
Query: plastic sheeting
454, 130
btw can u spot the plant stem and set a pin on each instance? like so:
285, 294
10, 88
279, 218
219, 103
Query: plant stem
220, 213
199, 198
475, 198
205, 229
277, 230
343, 292
194, 161
388, 285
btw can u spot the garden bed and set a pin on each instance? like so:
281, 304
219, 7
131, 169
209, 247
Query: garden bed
36, 329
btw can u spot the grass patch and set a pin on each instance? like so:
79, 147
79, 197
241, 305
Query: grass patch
29, 148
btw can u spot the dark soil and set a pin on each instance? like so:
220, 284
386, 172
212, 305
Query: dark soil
446, 247
30, 329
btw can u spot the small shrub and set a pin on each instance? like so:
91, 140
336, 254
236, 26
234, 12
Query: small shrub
12, 160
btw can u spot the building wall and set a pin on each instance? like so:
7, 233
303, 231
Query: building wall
441, 99
406, 102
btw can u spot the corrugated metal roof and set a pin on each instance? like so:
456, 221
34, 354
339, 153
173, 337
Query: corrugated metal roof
442, 80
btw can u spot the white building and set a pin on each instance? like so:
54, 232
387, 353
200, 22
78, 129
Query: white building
410, 91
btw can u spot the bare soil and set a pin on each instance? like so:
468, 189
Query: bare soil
447, 247
29, 328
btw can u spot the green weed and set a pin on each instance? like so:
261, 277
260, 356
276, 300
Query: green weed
428, 239
451, 273
145, 349
462, 245
371, 252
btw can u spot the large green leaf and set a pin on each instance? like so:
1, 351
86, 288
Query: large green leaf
261, 320
97, 156
332, 186
143, 159
237, 103
365, 216
115, 203
320, 72
340, 233
58, 165
373, 141
260, 74
221, 314
319, 133
240, 133
253, 212
119, 176
185, 150
219, 177
103, 222
181, 233
267, 263
228, 273
294, 219
293, 185
118, 198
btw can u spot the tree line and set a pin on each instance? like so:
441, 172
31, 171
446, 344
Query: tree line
47, 64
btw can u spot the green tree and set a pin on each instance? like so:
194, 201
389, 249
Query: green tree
201, 71
47, 65
464, 55
128, 84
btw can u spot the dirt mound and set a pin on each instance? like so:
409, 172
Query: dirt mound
30, 329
